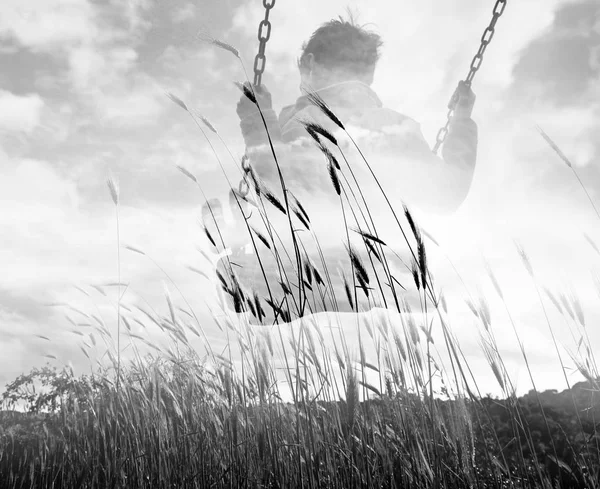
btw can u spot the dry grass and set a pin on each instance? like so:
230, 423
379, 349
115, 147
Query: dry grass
279, 407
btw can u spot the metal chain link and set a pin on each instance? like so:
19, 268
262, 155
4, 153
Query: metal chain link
260, 61
486, 38
244, 186
264, 34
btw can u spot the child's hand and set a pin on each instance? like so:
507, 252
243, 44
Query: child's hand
465, 102
247, 108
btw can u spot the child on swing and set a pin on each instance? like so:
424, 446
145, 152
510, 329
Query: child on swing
338, 64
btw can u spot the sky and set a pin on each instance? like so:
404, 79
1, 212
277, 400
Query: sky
83, 97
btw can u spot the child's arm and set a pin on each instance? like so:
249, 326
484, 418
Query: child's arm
460, 147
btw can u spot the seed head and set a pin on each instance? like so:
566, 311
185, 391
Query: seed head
114, 189
316, 99
178, 101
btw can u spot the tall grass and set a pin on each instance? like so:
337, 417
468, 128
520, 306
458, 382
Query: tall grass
278, 407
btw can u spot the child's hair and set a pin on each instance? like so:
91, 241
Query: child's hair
343, 45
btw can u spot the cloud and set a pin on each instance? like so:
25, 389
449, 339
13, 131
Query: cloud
142, 107
28, 181
556, 84
108, 78
40, 205
134, 11
93, 66
52, 237
26, 305
45, 25
20, 112
559, 66
99, 44
111, 85
183, 13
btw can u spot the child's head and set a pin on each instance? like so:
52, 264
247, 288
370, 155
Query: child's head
339, 50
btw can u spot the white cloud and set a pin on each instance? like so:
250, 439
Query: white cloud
33, 191
108, 80
51, 26
57, 125
569, 128
133, 10
184, 13
52, 237
100, 50
595, 57
98, 66
107, 77
44, 25
139, 107
20, 112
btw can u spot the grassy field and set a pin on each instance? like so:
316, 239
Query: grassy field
280, 408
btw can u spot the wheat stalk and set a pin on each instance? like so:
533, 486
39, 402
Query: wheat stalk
563, 157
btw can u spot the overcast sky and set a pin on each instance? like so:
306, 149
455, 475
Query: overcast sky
82, 95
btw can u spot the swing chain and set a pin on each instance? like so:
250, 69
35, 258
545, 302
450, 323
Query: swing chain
264, 34
486, 39
244, 187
